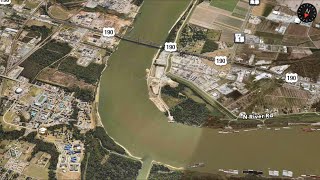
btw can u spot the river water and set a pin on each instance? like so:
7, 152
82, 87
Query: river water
135, 122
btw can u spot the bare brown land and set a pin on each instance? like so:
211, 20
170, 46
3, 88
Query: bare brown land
59, 78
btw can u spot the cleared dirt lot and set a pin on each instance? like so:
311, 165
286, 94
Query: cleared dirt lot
59, 78
296, 29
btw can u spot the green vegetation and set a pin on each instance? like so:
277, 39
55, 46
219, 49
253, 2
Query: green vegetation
302, 68
137, 2
316, 106
191, 113
75, 111
239, 12
5, 104
36, 32
228, 5
43, 57
83, 94
192, 34
191, 109
106, 11
99, 163
240, 124
284, 120
104, 159
205, 97
196, 39
173, 33
213, 34
59, 12
267, 10
107, 141
49, 148
10, 135
90, 74
270, 38
209, 46
159, 171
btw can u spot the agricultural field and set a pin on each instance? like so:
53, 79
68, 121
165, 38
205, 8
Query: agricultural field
270, 38
211, 17
286, 99
213, 34
229, 21
248, 103
228, 5
244, 52
241, 10
297, 30
297, 41
267, 26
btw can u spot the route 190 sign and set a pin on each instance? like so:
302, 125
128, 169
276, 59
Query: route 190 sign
4, 2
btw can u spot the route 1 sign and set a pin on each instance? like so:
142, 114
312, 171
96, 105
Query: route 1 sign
109, 32
5, 2
170, 47
291, 77
220, 60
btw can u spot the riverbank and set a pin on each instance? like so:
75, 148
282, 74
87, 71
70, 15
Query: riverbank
132, 119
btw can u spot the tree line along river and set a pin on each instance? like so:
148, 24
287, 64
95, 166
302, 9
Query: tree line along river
134, 121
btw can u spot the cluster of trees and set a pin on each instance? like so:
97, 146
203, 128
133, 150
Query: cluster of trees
100, 163
83, 94
106, 10
191, 113
4, 105
316, 106
35, 30
191, 34
43, 57
90, 74
75, 111
173, 92
240, 124
11, 135
209, 46
137, 2
159, 171
107, 141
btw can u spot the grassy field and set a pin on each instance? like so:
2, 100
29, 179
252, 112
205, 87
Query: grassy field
239, 12
228, 5
59, 12
31, 4
5, 126
36, 171
213, 34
